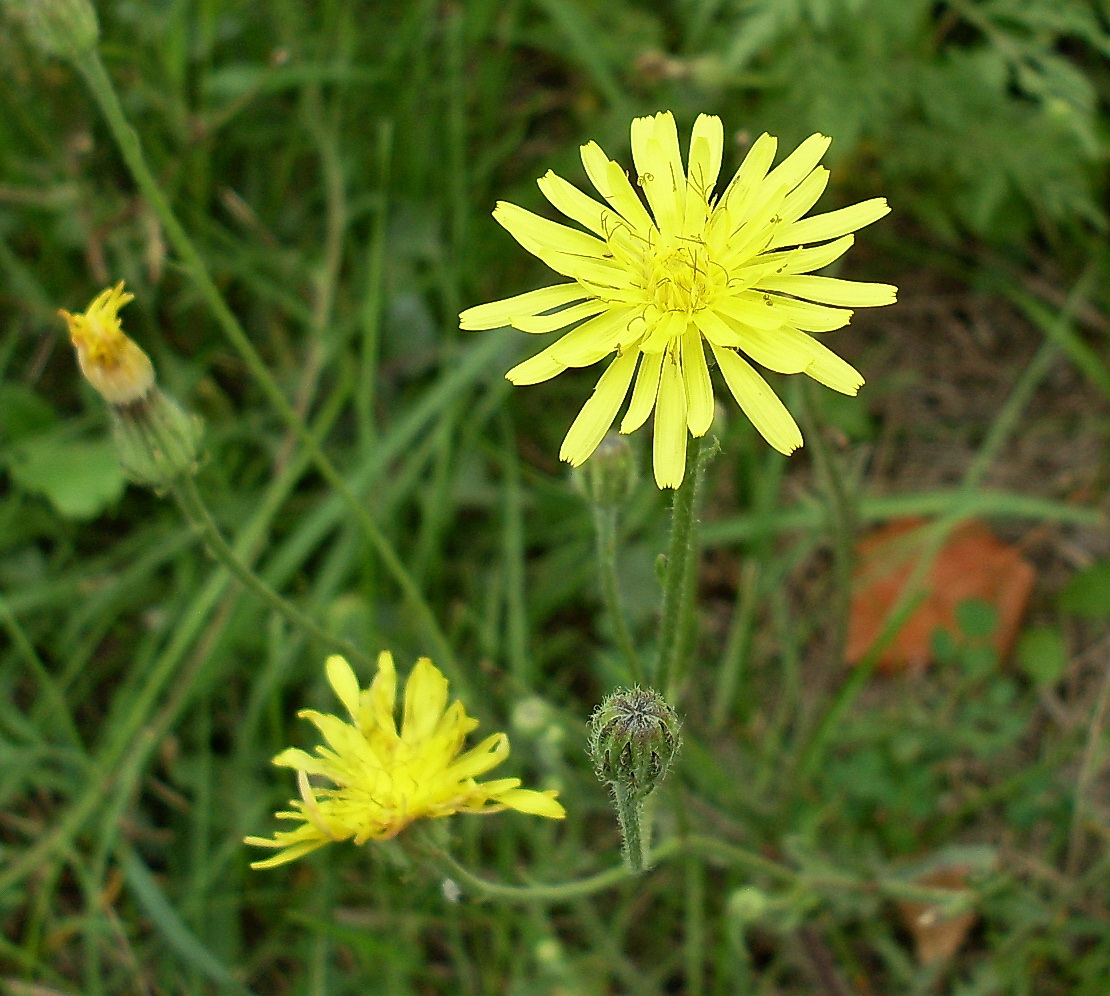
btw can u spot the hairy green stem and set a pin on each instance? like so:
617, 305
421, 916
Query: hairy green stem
677, 626
841, 518
192, 506
635, 830
92, 68
713, 851
605, 530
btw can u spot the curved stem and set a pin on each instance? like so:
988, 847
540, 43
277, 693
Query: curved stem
605, 527
103, 90
708, 848
192, 506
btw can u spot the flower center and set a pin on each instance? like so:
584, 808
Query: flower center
680, 278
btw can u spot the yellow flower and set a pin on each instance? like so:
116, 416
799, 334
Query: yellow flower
383, 780
732, 270
110, 361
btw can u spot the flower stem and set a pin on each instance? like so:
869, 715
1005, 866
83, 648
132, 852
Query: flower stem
842, 521
635, 831
677, 627
192, 506
605, 529
130, 147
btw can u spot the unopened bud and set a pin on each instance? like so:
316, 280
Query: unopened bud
634, 736
65, 28
156, 439
610, 474
117, 368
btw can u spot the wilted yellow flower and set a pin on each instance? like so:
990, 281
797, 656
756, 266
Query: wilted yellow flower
733, 271
110, 361
383, 780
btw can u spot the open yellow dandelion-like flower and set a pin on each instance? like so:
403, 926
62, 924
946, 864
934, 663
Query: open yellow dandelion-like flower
119, 370
384, 779
733, 271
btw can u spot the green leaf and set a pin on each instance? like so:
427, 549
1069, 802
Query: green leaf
1042, 655
1087, 594
79, 477
23, 413
976, 618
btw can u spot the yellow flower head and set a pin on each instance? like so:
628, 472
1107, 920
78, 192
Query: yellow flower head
383, 780
733, 271
110, 361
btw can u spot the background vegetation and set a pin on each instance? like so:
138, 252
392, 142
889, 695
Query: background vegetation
337, 162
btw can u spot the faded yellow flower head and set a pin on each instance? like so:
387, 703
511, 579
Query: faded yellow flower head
382, 779
654, 286
110, 361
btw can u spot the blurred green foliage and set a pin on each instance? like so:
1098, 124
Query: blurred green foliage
337, 161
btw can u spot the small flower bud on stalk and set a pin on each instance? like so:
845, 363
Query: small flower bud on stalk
156, 440
610, 474
64, 28
634, 736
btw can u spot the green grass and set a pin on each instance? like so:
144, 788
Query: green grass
336, 164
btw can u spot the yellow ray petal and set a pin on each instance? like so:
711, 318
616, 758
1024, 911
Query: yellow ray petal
775, 349
537, 234
831, 290
699, 388
769, 311
559, 319
499, 313
707, 143
343, 681
597, 270
600, 409
670, 325
610, 181
669, 443
644, 393
659, 168
805, 195
827, 368
739, 196
752, 393
755, 233
535, 370
593, 339
425, 700
798, 165
533, 802
574, 203
805, 260
383, 694
831, 224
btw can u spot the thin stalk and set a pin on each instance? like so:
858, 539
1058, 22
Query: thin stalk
1092, 755
813, 748
730, 670
103, 90
635, 829
677, 625
605, 532
54, 695
130, 741
192, 506
841, 518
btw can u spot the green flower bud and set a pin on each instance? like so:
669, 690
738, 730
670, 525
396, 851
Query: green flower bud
634, 736
748, 905
65, 28
610, 474
156, 440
